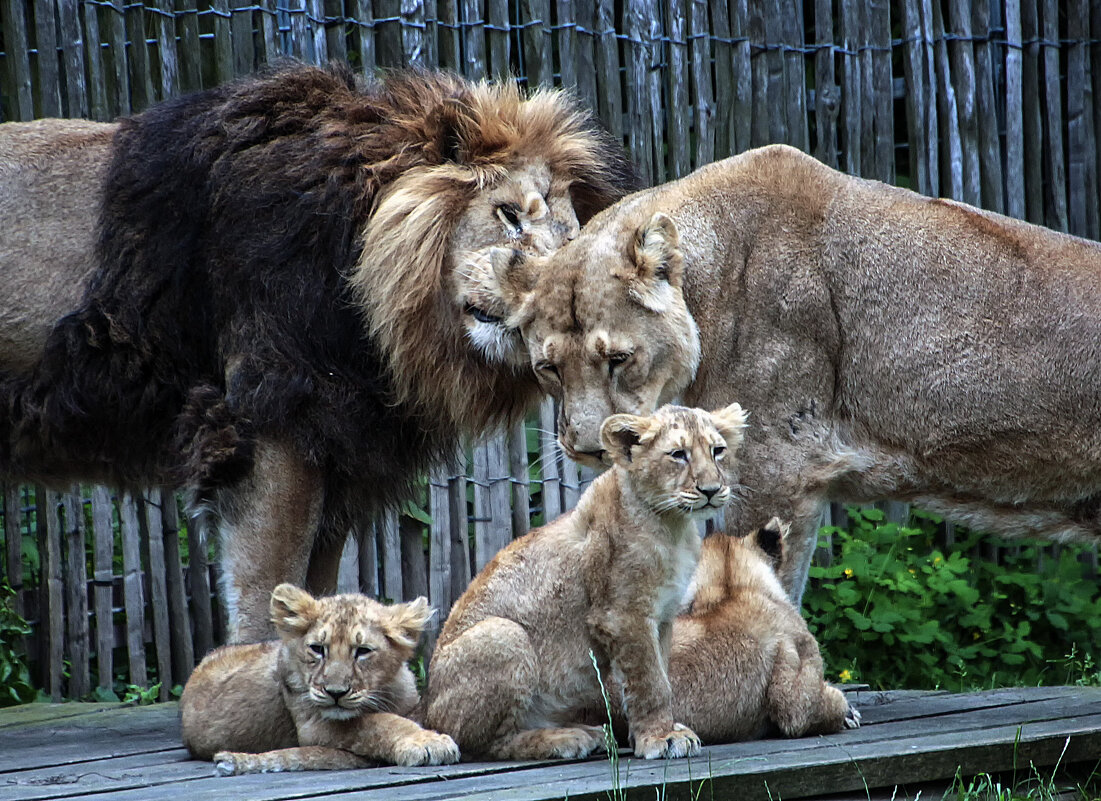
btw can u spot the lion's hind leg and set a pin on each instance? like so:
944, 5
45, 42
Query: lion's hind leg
309, 757
800, 702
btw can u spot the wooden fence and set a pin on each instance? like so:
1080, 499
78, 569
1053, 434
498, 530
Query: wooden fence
989, 102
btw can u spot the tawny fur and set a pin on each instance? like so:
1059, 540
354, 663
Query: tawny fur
511, 676
281, 705
264, 312
886, 345
743, 663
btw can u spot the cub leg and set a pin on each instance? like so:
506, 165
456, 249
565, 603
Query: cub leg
267, 523
310, 757
384, 737
481, 690
637, 653
799, 701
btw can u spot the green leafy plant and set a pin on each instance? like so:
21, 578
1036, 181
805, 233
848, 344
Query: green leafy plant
893, 610
15, 680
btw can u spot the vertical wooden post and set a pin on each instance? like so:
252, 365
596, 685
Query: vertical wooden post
76, 600
607, 61
53, 609
1014, 112
537, 42
103, 582
390, 537
521, 487
183, 648
18, 59
703, 95
827, 94
133, 592
474, 40
1055, 181
198, 573
497, 36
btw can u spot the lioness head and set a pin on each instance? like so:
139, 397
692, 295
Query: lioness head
340, 652
604, 321
677, 459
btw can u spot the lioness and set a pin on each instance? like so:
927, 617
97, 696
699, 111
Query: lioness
888, 345
511, 677
743, 663
330, 694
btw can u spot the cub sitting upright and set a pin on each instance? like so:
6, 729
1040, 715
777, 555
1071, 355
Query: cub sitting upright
743, 663
511, 677
330, 694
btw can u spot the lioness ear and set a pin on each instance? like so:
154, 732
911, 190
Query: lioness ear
659, 264
405, 622
771, 538
731, 421
293, 611
621, 432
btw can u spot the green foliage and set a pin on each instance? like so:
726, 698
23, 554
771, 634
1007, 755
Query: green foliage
894, 611
142, 696
15, 680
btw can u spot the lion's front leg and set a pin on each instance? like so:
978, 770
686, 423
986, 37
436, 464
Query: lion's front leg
384, 737
267, 525
634, 649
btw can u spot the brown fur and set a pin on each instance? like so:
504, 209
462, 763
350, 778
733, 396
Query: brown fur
743, 663
886, 345
511, 676
280, 705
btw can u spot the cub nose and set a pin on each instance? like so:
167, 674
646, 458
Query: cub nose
709, 492
336, 693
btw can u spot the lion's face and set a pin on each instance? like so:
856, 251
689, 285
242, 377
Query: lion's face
341, 652
528, 210
678, 460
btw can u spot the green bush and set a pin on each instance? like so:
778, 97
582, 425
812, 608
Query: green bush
15, 680
895, 611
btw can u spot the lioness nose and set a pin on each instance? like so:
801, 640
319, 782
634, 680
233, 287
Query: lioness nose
337, 692
709, 492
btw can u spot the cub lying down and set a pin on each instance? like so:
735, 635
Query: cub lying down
329, 694
511, 677
743, 663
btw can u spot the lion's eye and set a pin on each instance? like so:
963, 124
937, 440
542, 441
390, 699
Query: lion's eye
363, 650
548, 367
617, 359
480, 315
719, 451
317, 648
509, 215
679, 454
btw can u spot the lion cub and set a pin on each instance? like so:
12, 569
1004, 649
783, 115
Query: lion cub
743, 663
511, 677
329, 694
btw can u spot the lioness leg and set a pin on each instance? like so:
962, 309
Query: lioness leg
309, 757
800, 702
267, 525
481, 691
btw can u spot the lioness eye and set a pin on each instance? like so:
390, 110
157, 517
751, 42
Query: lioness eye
480, 315
680, 455
719, 451
616, 359
317, 648
547, 367
364, 650
509, 215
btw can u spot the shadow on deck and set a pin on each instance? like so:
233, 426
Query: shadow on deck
909, 739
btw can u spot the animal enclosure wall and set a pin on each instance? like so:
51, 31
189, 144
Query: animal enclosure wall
987, 102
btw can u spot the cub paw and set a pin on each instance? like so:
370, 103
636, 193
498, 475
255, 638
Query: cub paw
852, 718
680, 742
229, 763
577, 742
426, 748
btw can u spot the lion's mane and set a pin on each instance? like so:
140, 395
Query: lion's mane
273, 261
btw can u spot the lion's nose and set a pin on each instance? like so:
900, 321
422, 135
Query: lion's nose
709, 492
336, 693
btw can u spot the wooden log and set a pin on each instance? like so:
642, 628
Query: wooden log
153, 536
583, 40
179, 619
962, 58
188, 51
103, 582
318, 49
1033, 119
49, 74
474, 40
52, 607
390, 540
1014, 112
658, 129
548, 462
1094, 105
142, 94
852, 107
118, 70
1055, 179
98, 108
439, 550
640, 139
743, 76
1078, 86
520, 481
367, 542
388, 34
72, 52
76, 596
223, 37
703, 94
723, 50
537, 42
827, 94
198, 575
952, 159
336, 36
450, 55
990, 153
240, 26
794, 39
571, 484
759, 133
365, 36
882, 87
18, 59
932, 127
270, 37
460, 540
133, 592
413, 33
610, 107
492, 494
414, 572
497, 39
165, 26
298, 33
776, 85
347, 573
569, 42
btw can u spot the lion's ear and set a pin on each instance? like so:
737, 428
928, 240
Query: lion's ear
658, 261
453, 125
293, 610
405, 622
622, 432
731, 423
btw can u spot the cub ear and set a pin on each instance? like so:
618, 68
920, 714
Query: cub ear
405, 623
771, 538
731, 423
293, 610
658, 262
621, 432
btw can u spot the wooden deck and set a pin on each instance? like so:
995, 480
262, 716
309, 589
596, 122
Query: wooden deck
115, 753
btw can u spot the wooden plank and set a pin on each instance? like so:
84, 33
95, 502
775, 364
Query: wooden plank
882, 87
851, 92
103, 585
794, 39
52, 604
703, 94
1055, 179
367, 542
133, 592
198, 575
72, 54
240, 29
153, 537
460, 543
18, 59
76, 596
49, 75
183, 648
610, 107
1014, 112
414, 570
1077, 86
520, 480
548, 462
492, 494
347, 572
537, 42
1094, 105
952, 158
364, 37
497, 39
743, 76
439, 550
98, 108
759, 133
297, 35
723, 50
571, 484
867, 89
570, 43
142, 94
962, 58
315, 23
990, 155
776, 87
450, 50
1033, 119
270, 38
412, 33
336, 42
118, 70
583, 43
164, 22
390, 542
474, 39
655, 80
640, 138
110, 775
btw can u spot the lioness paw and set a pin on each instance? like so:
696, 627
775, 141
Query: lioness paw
680, 742
852, 718
426, 748
231, 763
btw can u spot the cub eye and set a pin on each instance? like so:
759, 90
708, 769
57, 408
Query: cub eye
617, 359
317, 648
509, 215
548, 367
680, 455
480, 315
364, 650
719, 451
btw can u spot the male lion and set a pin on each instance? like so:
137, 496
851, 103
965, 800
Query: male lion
511, 676
742, 663
268, 318
887, 345
330, 694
